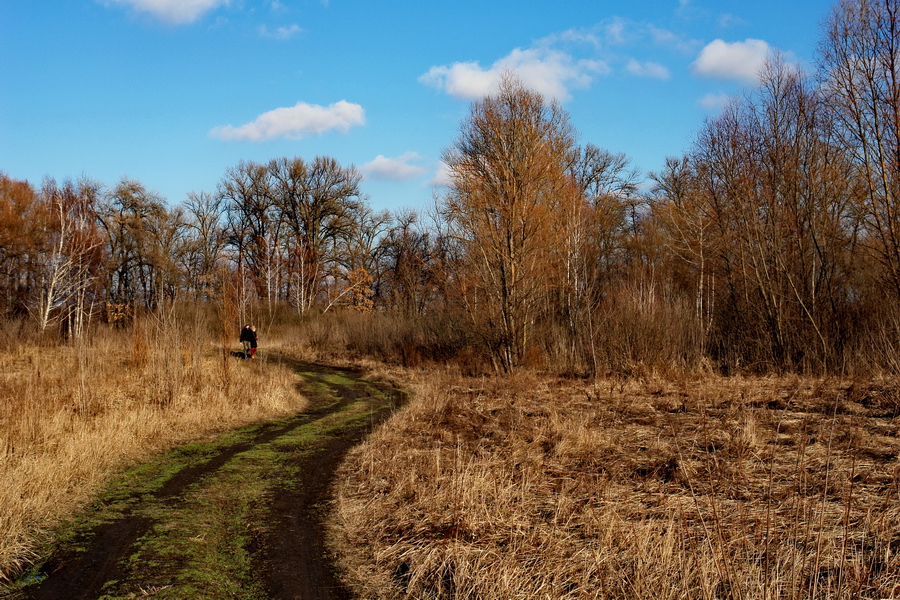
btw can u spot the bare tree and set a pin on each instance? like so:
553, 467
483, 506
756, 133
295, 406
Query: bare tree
205, 243
594, 227
408, 280
860, 73
685, 218
508, 173
253, 231
70, 264
318, 202
759, 212
133, 219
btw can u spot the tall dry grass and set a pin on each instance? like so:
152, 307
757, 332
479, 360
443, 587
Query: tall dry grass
72, 415
533, 487
384, 337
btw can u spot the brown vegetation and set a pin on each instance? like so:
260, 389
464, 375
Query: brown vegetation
71, 416
771, 246
534, 487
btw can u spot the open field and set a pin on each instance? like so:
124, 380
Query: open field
533, 487
525, 486
72, 416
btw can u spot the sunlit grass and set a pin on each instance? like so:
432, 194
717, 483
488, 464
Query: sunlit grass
534, 487
72, 415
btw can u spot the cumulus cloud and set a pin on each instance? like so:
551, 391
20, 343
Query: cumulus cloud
715, 101
176, 12
281, 33
647, 69
550, 72
393, 169
295, 122
738, 60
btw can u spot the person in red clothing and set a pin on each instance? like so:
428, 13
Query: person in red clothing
253, 341
249, 340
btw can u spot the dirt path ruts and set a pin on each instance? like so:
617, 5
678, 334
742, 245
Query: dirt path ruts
291, 559
294, 560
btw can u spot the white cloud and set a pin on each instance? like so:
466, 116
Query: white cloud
686, 9
464, 80
281, 33
295, 122
669, 39
572, 36
549, 72
727, 21
647, 69
738, 60
176, 12
615, 31
393, 169
715, 102
442, 176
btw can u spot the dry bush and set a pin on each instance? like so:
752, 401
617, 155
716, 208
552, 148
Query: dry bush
383, 336
72, 415
530, 487
637, 330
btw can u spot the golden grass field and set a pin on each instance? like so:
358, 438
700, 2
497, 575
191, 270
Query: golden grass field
72, 416
527, 486
541, 488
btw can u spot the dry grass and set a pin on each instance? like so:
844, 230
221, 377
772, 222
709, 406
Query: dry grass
70, 416
533, 487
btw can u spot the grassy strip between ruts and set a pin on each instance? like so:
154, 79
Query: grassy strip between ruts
199, 541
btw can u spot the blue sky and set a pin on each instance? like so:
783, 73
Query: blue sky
174, 92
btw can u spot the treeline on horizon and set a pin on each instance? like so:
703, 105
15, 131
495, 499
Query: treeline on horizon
771, 245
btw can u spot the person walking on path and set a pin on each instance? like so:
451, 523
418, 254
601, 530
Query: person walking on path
248, 340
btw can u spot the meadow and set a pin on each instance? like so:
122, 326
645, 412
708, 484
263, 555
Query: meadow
533, 486
74, 415
526, 485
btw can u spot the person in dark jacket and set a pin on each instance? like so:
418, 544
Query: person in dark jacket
248, 340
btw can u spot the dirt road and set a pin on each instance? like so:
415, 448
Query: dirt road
241, 518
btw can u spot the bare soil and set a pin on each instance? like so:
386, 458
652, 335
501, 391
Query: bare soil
289, 554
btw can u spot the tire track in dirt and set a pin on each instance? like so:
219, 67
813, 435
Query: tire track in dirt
291, 558
294, 558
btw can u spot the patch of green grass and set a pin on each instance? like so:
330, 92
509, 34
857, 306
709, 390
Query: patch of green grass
200, 548
139, 482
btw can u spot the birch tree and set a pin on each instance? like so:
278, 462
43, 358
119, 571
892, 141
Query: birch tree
70, 263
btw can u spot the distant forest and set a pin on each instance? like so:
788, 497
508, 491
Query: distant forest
772, 244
